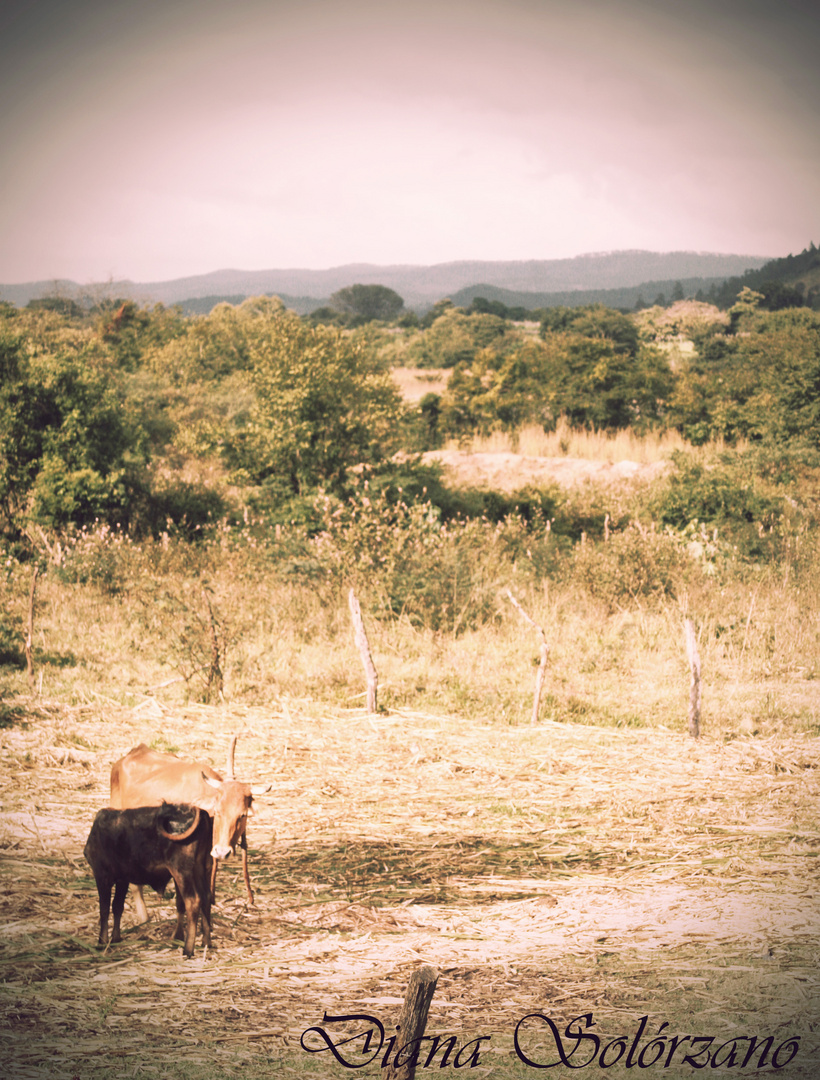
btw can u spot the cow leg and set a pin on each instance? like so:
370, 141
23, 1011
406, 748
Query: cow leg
139, 904
120, 890
104, 893
243, 843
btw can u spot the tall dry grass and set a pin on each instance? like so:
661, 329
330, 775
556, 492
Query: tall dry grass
287, 636
566, 441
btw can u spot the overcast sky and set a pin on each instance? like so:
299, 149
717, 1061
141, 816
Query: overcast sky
161, 138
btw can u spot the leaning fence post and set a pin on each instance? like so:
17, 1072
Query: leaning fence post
412, 1022
542, 662
360, 636
694, 686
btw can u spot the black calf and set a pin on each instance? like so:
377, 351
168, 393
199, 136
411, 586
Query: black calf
149, 846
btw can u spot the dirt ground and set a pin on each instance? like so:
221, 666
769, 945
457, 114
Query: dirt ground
560, 870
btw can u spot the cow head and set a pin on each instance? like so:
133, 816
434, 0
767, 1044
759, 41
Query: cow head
231, 807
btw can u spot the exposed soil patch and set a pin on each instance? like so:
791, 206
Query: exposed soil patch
560, 870
508, 472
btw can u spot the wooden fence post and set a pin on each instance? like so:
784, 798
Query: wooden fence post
412, 1022
694, 686
542, 662
360, 635
30, 630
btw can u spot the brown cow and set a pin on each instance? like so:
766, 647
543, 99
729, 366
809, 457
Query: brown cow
149, 846
146, 777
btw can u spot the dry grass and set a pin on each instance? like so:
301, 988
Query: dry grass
566, 441
561, 869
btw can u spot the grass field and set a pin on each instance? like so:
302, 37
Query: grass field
599, 862
558, 870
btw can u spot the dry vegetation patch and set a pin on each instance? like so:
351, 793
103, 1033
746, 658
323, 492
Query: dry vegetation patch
561, 869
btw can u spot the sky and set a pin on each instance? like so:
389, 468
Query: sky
168, 138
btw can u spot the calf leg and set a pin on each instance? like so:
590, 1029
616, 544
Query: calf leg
179, 933
202, 886
120, 890
188, 901
104, 893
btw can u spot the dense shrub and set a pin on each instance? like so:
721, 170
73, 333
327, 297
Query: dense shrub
410, 562
723, 494
636, 564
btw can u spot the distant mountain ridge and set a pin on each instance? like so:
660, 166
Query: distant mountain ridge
626, 296
420, 286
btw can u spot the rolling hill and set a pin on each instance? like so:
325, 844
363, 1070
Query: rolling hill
420, 286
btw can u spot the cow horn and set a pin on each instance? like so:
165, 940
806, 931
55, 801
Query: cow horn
182, 835
229, 771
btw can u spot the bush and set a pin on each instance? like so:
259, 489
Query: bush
637, 563
726, 495
409, 562
98, 555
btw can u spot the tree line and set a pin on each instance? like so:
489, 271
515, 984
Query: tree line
142, 416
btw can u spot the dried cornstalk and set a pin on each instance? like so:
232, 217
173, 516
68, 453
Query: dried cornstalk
412, 1022
542, 661
30, 629
360, 636
694, 686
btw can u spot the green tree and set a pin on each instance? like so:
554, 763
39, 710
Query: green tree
129, 330
456, 338
588, 366
782, 354
324, 403
67, 452
368, 302
593, 321
760, 383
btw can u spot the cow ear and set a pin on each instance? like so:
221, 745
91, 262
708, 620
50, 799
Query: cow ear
260, 789
210, 780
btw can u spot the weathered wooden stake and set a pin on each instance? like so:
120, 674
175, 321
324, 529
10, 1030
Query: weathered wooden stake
216, 680
360, 635
412, 1022
30, 630
542, 662
694, 686
230, 774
